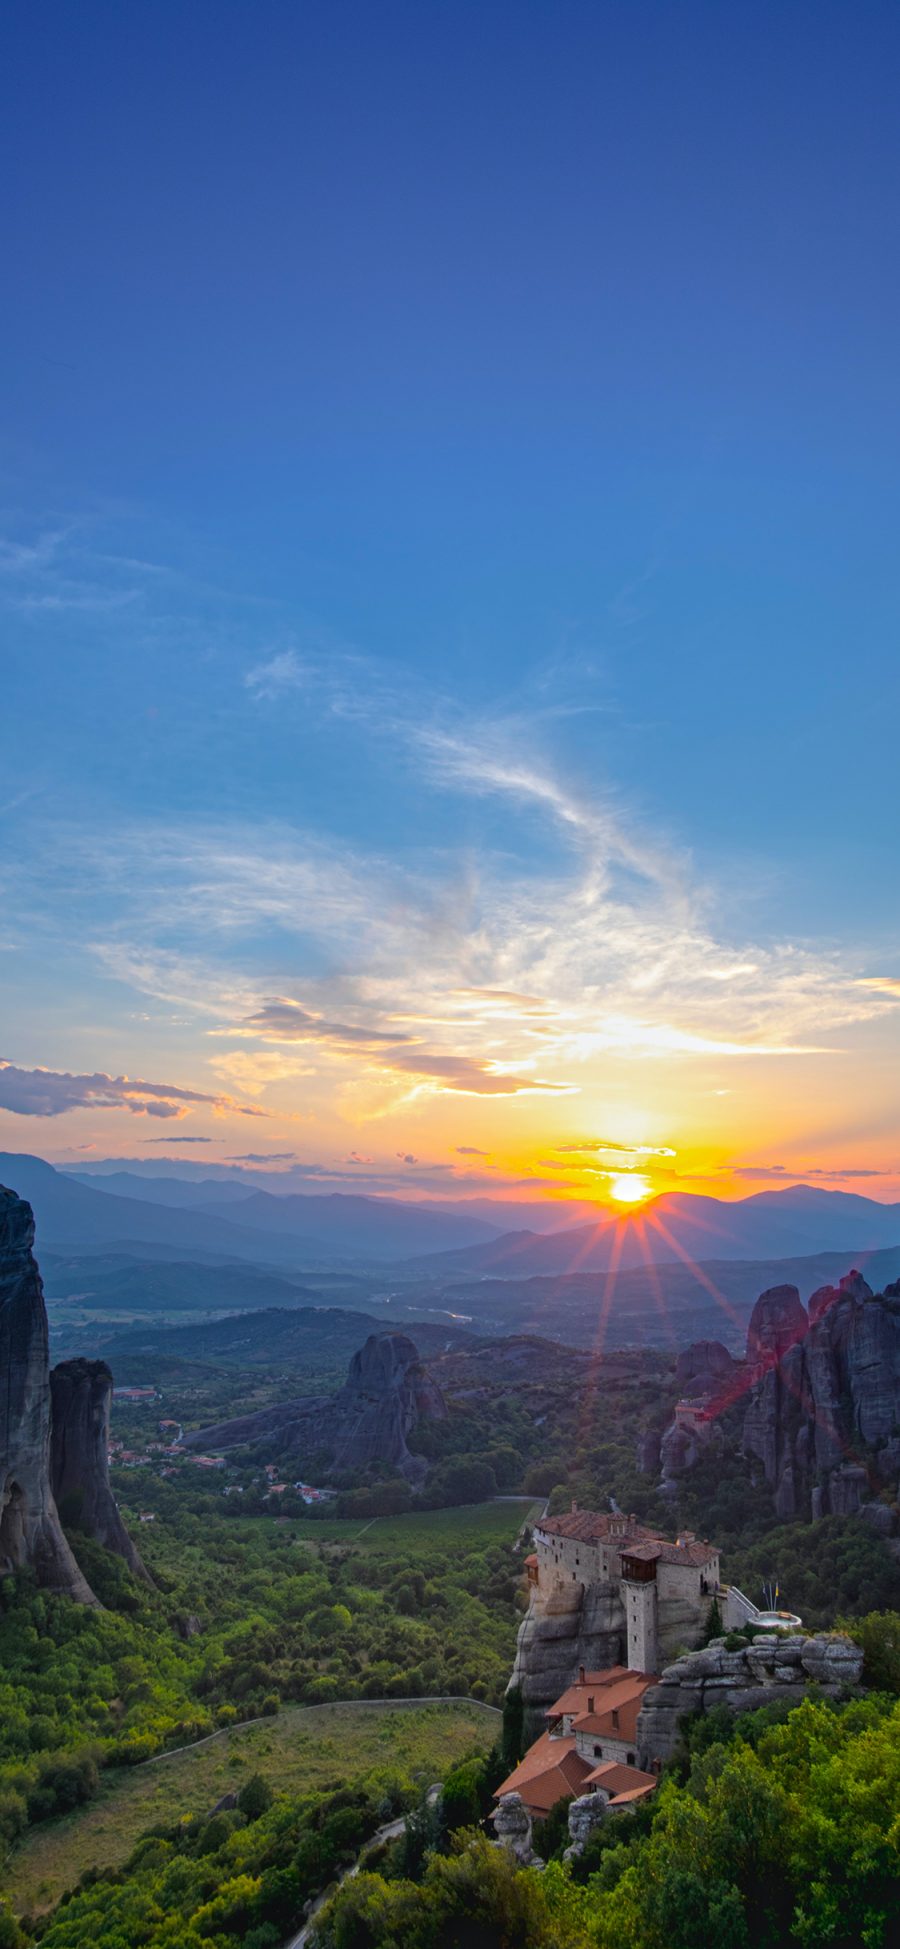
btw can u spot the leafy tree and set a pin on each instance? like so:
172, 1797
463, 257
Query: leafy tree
879, 1636
255, 1797
512, 1743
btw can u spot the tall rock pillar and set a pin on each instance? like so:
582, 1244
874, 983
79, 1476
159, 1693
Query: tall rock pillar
81, 1393
30, 1529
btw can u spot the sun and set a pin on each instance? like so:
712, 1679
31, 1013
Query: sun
629, 1188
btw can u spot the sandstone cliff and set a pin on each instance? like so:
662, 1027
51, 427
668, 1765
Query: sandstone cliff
81, 1392
386, 1393
30, 1531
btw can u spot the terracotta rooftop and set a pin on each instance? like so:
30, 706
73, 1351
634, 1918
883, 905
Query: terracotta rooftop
592, 1685
587, 1526
621, 1782
614, 1721
631, 1538
551, 1770
592, 1704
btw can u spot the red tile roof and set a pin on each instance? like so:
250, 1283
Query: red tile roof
630, 1538
552, 1770
623, 1725
573, 1700
621, 1782
591, 1705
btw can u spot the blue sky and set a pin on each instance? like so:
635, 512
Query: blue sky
449, 492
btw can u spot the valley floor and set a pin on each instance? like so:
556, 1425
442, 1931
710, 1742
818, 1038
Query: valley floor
305, 1747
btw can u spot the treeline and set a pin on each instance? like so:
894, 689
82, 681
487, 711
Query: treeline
242, 1621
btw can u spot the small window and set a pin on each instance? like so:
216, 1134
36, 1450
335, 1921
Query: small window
629, 1759
598, 1752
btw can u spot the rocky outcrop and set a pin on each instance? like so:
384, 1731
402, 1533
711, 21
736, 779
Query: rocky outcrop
777, 1323
572, 1625
513, 1830
586, 1814
704, 1367
824, 1399
772, 1666
81, 1393
708, 1378
386, 1393
682, 1445
31, 1534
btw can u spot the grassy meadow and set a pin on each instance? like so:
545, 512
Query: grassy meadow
305, 1747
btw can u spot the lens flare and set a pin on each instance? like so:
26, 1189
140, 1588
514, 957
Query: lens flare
629, 1188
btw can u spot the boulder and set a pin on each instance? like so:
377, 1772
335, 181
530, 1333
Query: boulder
586, 1814
775, 1666
513, 1828
878, 1516
848, 1489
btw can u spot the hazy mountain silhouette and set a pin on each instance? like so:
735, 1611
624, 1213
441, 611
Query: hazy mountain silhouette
69, 1212
795, 1222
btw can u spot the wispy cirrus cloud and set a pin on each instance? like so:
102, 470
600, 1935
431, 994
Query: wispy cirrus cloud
493, 970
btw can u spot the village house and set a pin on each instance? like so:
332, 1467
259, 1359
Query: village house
590, 1746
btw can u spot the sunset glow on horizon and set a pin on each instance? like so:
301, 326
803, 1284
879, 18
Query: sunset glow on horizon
414, 782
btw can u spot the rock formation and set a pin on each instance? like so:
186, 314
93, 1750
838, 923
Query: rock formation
771, 1667
822, 1393
824, 1401
81, 1393
387, 1391
586, 1814
704, 1367
708, 1377
30, 1530
513, 1830
576, 1625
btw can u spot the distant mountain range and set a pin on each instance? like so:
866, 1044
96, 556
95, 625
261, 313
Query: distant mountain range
799, 1221
71, 1212
216, 1219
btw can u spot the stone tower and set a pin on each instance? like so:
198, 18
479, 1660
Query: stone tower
641, 1601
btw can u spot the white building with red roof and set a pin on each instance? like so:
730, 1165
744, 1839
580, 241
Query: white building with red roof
590, 1746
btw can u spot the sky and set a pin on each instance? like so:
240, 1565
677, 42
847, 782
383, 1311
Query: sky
449, 474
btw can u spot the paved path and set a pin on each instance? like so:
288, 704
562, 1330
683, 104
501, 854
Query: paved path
391, 1831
